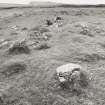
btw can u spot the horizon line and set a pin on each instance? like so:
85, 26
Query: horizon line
55, 2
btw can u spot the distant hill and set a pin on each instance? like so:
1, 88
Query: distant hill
54, 4
82, 5
44, 4
9, 6
31, 4
47, 5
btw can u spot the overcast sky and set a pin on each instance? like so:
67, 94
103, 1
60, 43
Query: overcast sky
63, 1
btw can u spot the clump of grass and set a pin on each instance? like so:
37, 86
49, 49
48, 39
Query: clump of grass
17, 14
12, 68
64, 12
42, 46
90, 58
80, 13
14, 33
18, 48
40, 29
24, 29
86, 31
49, 22
78, 40
37, 36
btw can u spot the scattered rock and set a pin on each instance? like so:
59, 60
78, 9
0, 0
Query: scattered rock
72, 76
38, 36
86, 31
81, 24
67, 69
15, 27
84, 28
4, 43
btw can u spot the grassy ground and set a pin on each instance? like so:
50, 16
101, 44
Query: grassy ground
36, 83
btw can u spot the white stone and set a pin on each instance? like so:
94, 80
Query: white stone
15, 27
70, 68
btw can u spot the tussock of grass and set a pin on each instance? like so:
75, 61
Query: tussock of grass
64, 12
49, 22
12, 68
40, 29
18, 48
39, 34
42, 46
90, 57
86, 31
17, 14
24, 29
80, 13
14, 33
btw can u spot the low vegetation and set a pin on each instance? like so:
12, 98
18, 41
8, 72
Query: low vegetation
12, 68
42, 46
18, 48
53, 37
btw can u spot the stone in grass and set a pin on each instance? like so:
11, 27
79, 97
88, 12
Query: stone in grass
86, 31
84, 28
15, 27
81, 24
5, 43
13, 67
19, 47
72, 76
